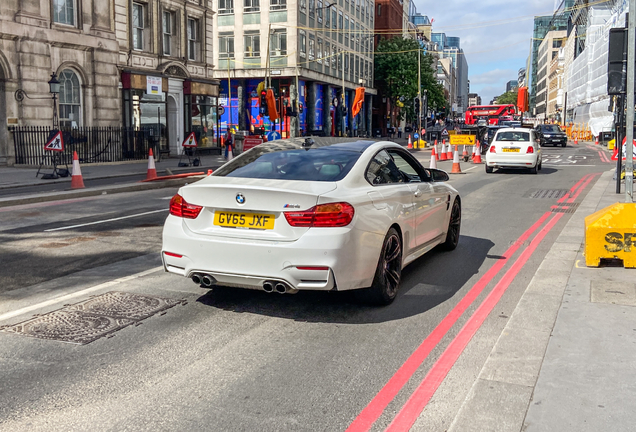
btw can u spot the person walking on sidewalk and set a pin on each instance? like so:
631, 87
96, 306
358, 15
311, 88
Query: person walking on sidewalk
399, 131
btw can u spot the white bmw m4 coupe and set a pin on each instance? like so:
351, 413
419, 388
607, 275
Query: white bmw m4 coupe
296, 215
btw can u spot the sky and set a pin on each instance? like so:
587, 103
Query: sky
495, 36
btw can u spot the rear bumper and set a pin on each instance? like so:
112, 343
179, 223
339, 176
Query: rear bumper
349, 256
507, 161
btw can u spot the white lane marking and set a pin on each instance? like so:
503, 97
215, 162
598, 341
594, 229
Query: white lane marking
77, 294
470, 168
566, 165
106, 220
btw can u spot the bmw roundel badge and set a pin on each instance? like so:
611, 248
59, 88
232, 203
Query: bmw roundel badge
240, 198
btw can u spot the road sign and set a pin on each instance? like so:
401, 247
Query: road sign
415, 136
462, 139
190, 141
251, 142
444, 132
221, 110
56, 143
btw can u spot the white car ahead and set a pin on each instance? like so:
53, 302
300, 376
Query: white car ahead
294, 215
514, 148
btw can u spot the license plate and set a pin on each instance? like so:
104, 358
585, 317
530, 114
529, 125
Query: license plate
510, 150
244, 220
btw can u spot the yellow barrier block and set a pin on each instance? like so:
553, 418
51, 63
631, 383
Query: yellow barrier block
610, 144
611, 233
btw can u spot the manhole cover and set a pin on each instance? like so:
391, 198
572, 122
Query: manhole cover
84, 322
546, 193
613, 293
565, 208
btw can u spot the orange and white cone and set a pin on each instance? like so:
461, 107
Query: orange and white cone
77, 182
443, 154
152, 171
576, 141
472, 158
456, 169
477, 159
436, 151
433, 164
230, 155
449, 152
465, 154
596, 140
410, 145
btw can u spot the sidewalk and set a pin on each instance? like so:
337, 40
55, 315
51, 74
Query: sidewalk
566, 358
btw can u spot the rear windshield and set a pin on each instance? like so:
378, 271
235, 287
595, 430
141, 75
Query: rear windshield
320, 164
550, 128
513, 136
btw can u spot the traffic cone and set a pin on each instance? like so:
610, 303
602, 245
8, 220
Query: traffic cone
433, 164
472, 158
576, 141
449, 152
152, 171
228, 152
210, 172
477, 159
410, 145
456, 169
443, 154
77, 182
596, 142
465, 154
434, 153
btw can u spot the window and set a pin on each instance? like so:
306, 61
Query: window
226, 45
312, 8
64, 12
379, 10
226, 7
334, 21
319, 50
327, 15
70, 100
383, 170
358, 4
168, 28
326, 54
193, 39
251, 6
319, 11
311, 48
346, 30
278, 43
333, 56
340, 22
277, 5
139, 25
303, 6
368, 8
252, 44
303, 44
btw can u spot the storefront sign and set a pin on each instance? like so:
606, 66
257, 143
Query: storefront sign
251, 142
153, 85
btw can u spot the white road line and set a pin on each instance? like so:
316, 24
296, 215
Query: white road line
77, 294
567, 165
470, 168
106, 220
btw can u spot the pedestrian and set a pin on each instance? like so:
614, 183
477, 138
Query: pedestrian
399, 131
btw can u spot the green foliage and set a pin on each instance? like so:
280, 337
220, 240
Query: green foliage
396, 74
508, 98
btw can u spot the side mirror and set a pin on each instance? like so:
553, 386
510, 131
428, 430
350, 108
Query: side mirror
439, 175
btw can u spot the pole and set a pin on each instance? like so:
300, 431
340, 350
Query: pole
269, 32
419, 89
618, 139
344, 104
629, 151
229, 96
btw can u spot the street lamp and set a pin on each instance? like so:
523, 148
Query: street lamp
54, 89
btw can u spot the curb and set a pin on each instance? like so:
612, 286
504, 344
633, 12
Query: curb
500, 396
80, 193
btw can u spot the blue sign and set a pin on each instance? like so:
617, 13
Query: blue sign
273, 135
416, 136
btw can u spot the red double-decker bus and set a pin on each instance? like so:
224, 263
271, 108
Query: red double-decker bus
491, 113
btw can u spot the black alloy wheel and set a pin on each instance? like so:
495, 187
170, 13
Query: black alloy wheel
454, 226
388, 273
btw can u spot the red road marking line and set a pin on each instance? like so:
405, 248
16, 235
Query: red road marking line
582, 188
378, 404
429, 385
572, 189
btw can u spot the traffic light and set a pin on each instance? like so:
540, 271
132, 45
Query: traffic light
301, 107
417, 106
263, 107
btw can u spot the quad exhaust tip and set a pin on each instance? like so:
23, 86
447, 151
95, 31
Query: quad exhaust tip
281, 288
268, 286
203, 280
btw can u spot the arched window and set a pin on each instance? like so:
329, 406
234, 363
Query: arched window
70, 100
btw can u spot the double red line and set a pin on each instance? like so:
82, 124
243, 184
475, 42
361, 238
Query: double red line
429, 385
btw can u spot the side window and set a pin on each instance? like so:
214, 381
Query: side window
407, 167
383, 170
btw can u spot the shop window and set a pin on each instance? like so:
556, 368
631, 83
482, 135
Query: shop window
140, 36
64, 12
169, 30
303, 44
251, 6
277, 5
226, 7
278, 43
252, 44
193, 39
226, 45
70, 99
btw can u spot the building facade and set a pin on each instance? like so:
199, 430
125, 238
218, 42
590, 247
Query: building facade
512, 85
474, 99
555, 87
548, 50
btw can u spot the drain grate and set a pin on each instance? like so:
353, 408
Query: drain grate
546, 193
87, 321
565, 208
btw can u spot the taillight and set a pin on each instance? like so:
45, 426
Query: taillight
530, 149
180, 208
492, 149
323, 215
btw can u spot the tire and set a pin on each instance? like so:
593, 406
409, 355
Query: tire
488, 169
563, 144
539, 166
386, 281
454, 225
534, 169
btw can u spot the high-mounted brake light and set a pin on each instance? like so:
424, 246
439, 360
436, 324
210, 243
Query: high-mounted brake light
180, 208
530, 149
492, 149
323, 215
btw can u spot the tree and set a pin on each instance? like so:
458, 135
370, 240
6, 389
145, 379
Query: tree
508, 98
396, 74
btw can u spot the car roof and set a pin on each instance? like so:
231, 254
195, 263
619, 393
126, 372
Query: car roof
304, 143
513, 129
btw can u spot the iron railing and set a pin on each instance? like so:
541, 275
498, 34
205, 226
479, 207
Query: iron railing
92, 144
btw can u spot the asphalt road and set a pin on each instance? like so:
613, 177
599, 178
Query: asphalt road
238, 360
